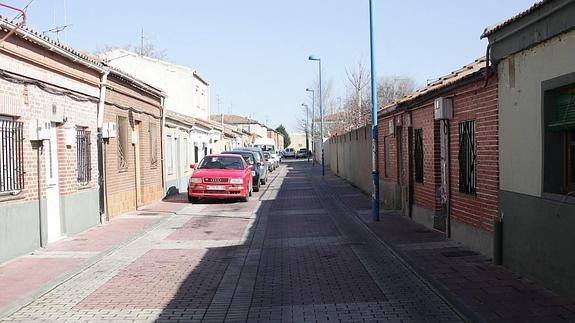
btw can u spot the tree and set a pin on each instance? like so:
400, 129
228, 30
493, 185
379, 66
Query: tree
282, 130
358, 79
393, 88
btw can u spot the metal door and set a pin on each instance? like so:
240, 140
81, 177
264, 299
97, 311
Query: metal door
54, 222
138, 168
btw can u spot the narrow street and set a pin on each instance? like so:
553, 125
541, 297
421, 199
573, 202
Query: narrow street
292, 253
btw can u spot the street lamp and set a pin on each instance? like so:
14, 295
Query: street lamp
374, 134
312, 122
315, 58
306, 121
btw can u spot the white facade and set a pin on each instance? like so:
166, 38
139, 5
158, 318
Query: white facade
187, 92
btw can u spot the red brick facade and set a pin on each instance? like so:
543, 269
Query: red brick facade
473, 101
143, 111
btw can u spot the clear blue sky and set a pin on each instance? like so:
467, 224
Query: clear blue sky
254, 52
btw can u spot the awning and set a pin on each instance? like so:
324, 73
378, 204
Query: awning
564, 113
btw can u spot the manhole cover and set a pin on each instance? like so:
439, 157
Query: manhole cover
459, 253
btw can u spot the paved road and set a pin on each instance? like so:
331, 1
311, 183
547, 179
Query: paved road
292, 253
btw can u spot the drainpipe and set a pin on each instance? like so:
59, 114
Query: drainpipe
42, 244
100, 146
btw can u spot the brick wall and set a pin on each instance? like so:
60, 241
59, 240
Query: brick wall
36, 103
470, 102
121, 193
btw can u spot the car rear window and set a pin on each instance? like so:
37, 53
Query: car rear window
248, 157
220, 162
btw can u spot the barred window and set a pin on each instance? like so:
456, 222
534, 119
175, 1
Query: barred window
83, 156
467, 158
122, 143
418, 155
11, 156
153, 144
386, 156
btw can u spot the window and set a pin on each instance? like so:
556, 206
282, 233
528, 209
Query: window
560, 143
196, 159
11, 156
467, 158
122, 143
418, 155
153, 144
83, 156
386, 156
169, 152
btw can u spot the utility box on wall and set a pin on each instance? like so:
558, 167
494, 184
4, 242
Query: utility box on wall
443, 109
39, 130
109, 130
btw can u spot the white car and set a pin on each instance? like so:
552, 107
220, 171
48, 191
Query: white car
268, 144
289, 153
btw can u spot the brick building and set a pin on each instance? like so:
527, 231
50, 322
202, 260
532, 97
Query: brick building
49, 95
133, 154
444, 173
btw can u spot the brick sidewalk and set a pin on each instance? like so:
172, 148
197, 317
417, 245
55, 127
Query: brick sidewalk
479, 289
26, 277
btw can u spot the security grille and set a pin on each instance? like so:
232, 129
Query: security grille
419, 155
467, 158
83, 156
11, 156
122, 142
153, 144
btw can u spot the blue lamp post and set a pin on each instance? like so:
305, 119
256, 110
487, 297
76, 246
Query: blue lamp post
306, 132
374, 134
312, 122
315, 58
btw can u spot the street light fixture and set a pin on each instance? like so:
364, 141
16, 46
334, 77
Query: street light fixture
315, 58
306, 122
312, 123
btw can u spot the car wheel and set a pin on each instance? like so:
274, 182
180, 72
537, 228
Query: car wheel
193, 199
257, 187
263, 181
251, 188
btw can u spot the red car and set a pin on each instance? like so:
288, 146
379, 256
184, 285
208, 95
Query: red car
221, 176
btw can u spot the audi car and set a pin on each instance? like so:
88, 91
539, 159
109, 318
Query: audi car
221, 176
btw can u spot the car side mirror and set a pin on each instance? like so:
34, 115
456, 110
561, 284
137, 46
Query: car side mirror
193, 166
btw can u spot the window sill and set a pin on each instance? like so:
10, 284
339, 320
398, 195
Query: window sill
11, 196
84, 186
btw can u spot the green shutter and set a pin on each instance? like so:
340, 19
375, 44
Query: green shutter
564, 113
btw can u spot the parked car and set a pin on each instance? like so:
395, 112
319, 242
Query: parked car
269, 145
220, 176
271, 166
289, 153
250, 158
263, 163
302, 153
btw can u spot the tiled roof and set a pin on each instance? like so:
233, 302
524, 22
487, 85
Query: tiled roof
31, 35
35, 36
180, 117
234, 119
491, 29
441, 83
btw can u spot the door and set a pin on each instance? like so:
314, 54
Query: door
441, 222
53, 220
400, 168
178, 163
137, 162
